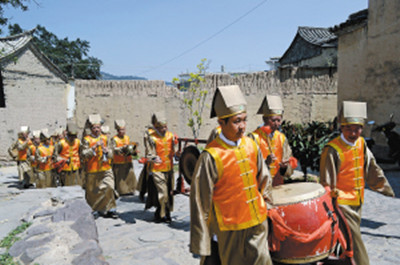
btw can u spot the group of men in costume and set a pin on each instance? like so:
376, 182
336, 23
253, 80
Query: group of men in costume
232, 181
35, 157
100, 164
47, 161
231, 184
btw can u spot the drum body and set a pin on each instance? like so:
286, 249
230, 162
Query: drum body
304, 225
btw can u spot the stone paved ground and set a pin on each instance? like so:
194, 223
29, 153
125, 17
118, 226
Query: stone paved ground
145, 242
135, 239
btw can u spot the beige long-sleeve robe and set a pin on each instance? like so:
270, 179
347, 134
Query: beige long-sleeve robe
374, 178
125, 178
99, 186
247, 246
161, 182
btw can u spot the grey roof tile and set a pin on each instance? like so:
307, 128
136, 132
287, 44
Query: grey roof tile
317, 36
10, 45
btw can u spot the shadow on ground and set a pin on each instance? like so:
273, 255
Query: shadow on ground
371, 224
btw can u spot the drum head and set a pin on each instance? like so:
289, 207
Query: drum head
187, 162
296, 192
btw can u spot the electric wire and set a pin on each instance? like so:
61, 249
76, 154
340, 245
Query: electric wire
205, 40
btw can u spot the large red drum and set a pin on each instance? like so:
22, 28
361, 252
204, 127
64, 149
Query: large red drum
304, 225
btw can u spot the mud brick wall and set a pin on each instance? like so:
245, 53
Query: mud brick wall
305, 99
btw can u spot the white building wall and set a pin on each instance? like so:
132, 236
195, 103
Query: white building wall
35, 96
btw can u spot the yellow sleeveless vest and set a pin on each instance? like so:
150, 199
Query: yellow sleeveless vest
350, 179
70, 151
121, 159
276, 147
237, 201
46, 151
97, 163
164, 151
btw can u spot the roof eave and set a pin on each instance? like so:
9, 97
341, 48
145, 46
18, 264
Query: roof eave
354, 22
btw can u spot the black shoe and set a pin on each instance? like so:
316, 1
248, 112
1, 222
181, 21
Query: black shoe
168, 216
95, 214
167, 220
111, 214
157, 219
141, 197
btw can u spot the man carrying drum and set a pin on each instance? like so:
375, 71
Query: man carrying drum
273, 144
346, 165
228, 189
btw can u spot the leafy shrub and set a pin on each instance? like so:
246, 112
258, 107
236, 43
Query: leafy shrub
307, 141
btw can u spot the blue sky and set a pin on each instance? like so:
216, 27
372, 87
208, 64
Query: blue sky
159, 39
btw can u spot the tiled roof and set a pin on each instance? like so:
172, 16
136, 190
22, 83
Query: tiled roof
316, 36
355, 19
9, 45
12, 44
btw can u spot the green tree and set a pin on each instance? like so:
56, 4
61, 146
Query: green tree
195, 96
70, 56
14, 3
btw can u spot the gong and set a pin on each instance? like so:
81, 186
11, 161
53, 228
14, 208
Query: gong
187, 162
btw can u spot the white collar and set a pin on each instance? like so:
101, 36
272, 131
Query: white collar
158, 132
347, 142
227, 141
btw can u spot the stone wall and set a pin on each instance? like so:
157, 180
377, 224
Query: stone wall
381, 79
34, 96
368, 64
305, 99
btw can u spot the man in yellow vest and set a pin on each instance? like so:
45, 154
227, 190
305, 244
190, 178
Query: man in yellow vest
273, 143
32, 152
58, 134
123, 149
68, 151
99, 184
21, 146
44, 157
346, 166
228, 191
159, 151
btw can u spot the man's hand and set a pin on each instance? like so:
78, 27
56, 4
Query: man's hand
270, 158
334, 193
157, 160
105, 150
284, 164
